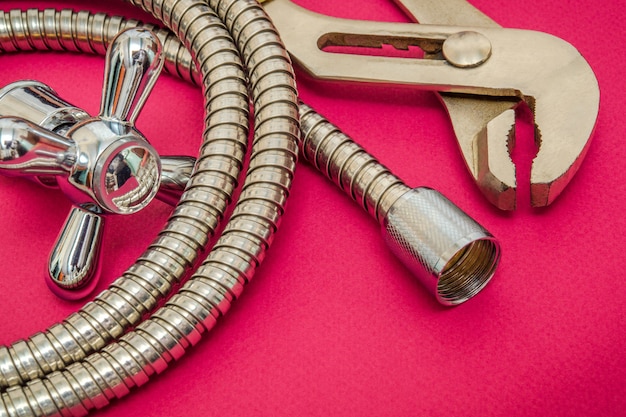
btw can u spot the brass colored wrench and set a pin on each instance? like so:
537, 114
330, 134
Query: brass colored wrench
481, 71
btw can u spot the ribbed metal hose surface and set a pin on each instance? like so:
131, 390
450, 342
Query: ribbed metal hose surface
78, 365
91, 357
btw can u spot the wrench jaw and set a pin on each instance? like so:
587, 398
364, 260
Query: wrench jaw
495, 174
562, 137
562, 92
485, 136
565, 117
545, 185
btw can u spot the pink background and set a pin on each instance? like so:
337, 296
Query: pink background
332, 324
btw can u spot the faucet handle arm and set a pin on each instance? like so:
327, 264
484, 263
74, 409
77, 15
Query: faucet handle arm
27, 149
133, 64
74, 261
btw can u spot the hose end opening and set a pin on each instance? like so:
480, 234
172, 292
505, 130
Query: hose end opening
468, 271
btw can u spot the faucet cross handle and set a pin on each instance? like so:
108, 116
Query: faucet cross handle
116, 166
102, 163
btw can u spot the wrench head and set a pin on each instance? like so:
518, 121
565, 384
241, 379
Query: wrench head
563, 94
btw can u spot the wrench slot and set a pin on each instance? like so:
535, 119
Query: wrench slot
389, 46
385, 50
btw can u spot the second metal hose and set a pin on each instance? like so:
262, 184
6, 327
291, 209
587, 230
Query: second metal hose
452, 255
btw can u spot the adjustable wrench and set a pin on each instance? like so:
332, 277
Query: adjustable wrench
481, 71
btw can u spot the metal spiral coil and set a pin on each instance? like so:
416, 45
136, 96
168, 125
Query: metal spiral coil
348, 165
75, 366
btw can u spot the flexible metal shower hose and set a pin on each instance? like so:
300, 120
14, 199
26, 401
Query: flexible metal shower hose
91, 368
76, 365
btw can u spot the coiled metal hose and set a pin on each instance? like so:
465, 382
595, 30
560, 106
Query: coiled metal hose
76, 366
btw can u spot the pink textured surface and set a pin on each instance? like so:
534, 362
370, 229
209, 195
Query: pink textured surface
332, 325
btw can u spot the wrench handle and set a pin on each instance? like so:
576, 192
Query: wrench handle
445, 12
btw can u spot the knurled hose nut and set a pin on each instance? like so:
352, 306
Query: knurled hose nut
452, 255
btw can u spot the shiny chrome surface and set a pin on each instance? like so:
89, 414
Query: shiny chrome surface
95, 356
175, 174
103, 164
116, 169
116, 166
74, 257
39, 104
29, 150
496, 67
452, 255
133, 64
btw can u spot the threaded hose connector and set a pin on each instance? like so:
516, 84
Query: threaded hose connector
449, 252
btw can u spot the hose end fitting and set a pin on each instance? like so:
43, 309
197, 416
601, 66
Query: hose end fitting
449, 252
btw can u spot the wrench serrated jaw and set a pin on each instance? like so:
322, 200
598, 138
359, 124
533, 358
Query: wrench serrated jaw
485, 131
565, 118
495, 172
564, 97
